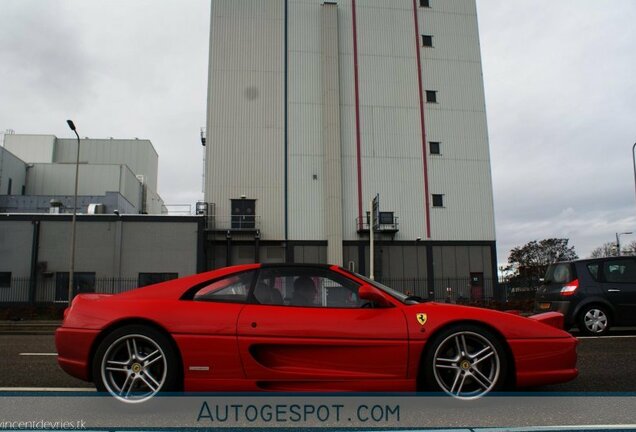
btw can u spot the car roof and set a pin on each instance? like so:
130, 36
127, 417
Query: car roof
591, 260
286, 265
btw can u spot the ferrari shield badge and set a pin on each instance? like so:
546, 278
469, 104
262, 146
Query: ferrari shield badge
421, 318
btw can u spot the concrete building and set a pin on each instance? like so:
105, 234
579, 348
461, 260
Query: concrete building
314, 107
114, 253
117, 174
12, 174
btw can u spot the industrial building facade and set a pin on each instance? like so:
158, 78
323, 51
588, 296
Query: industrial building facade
314, 107
123, 241
115, 253
115, 174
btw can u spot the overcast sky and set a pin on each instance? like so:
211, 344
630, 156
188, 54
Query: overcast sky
559, 78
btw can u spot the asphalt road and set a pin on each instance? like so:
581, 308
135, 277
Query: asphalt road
605, 364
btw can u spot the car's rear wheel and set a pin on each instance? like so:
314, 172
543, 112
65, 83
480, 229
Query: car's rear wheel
594, 320
466, 362
134, 363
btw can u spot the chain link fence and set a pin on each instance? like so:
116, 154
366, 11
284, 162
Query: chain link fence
448, 290
52, 290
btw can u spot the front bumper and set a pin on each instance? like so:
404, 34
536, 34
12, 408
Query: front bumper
73, 351
544, 361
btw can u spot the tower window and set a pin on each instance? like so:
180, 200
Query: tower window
427, 40
435, 147
431, 96
425, 3
438, 200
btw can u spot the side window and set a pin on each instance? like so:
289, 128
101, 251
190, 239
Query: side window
233, 289
593, 269
305, 288
620, 271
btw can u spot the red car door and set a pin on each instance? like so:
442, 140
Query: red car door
306, 327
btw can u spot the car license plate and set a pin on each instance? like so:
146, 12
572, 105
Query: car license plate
544, 306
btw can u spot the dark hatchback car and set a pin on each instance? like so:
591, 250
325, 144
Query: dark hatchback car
592, 294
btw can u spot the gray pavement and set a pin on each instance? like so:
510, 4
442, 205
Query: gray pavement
32, 371
605, 364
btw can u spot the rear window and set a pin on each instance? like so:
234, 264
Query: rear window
560, 273
233, 288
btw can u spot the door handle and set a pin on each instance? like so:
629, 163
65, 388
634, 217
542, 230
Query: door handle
613, 290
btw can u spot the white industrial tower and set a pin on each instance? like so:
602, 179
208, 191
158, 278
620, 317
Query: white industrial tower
314, 107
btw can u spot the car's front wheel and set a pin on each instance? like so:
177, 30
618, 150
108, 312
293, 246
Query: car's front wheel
466, 362
594, 320
134, 363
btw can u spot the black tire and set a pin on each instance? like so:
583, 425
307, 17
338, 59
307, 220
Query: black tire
135, 362
594, 320
461, 373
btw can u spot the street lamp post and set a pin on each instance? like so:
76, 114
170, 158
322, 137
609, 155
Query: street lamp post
618, 242
634, 163
72, 264
417, 261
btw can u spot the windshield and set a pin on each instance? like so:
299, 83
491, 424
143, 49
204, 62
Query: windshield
390, 291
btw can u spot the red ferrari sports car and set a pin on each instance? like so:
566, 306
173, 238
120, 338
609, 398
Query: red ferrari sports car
269, 327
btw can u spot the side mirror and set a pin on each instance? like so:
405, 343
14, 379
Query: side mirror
370, 294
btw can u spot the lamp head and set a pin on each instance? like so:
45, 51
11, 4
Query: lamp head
71, 124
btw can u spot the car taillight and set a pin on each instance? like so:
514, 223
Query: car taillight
570, 288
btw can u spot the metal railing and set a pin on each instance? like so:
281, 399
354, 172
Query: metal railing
449, 290
233, 223
387, 224
50, 291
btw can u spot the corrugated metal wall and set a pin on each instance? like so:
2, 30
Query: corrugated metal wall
306, 152
12, 170
139, 155
59, 179
31, 148
391, 134
109, 249
245, 135
458, 121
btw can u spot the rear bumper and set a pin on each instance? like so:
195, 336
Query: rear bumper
73, 350
544, 361
563, 307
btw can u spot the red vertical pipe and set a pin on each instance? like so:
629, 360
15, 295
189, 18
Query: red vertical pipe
357, 106
423, 123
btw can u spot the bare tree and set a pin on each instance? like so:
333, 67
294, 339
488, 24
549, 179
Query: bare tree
630, 248
606, 250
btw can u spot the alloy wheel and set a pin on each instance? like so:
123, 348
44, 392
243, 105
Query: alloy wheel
134, 368
466, 365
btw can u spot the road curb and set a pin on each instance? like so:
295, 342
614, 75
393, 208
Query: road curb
28, 327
